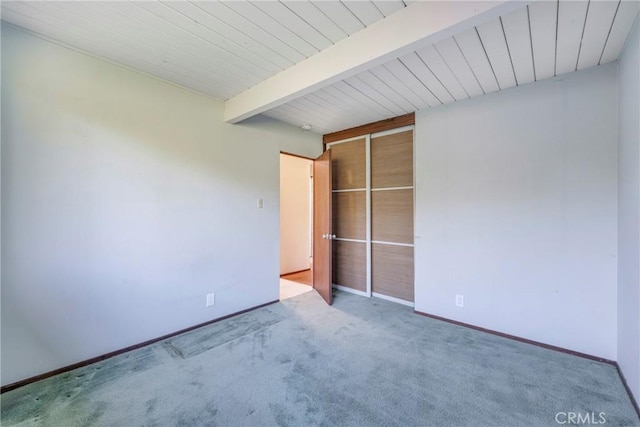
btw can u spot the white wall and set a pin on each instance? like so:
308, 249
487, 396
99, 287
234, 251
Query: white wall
125, 200
516, 199
295, 214
629, 213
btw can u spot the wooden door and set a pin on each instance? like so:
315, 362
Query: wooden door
322, 231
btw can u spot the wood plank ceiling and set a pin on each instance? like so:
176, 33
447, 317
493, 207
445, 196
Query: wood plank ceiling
541, 40
221, 49
215, 48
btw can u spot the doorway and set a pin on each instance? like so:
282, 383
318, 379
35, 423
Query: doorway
296, 225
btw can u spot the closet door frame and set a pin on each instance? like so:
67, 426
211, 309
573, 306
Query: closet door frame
413, 206
367, 204
368, 190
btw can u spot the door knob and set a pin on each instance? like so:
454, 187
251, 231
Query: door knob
331, 236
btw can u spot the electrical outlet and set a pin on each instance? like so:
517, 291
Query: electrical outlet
459, 300
211, 299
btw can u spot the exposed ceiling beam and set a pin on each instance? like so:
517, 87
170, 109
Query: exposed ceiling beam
421, 23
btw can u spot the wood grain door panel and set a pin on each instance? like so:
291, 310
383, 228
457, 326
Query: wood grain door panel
349, 215
392, 160
392, 216
349, 264
322, 252
349, 166
392, 271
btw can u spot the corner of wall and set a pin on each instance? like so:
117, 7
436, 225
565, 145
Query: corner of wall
629, 211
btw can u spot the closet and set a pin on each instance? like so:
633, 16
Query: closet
373, 214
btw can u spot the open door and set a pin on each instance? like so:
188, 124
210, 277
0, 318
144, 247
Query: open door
322, 232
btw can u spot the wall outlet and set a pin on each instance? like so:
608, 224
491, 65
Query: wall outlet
211, 299
459, 300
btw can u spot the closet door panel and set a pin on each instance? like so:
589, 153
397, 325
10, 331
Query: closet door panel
392, 216
349, 264
349, 215
392, 271
392, 160
348, 164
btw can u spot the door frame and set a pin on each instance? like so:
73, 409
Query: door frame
311, 159
367, 238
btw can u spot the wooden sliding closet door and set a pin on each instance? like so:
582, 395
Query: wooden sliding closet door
349, 214
392, 215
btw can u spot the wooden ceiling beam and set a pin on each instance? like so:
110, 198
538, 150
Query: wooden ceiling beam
419, 24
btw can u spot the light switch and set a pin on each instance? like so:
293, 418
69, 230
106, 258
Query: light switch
260, 204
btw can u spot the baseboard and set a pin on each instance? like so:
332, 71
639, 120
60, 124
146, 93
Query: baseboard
294, 272
634, 402
106, 356
543, 345
393, 299
520, 339
350, 290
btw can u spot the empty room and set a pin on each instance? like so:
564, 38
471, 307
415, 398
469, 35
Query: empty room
320, 213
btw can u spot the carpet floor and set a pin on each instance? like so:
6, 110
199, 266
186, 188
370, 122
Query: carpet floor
362, 362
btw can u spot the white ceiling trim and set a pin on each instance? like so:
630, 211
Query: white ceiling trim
419, 24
